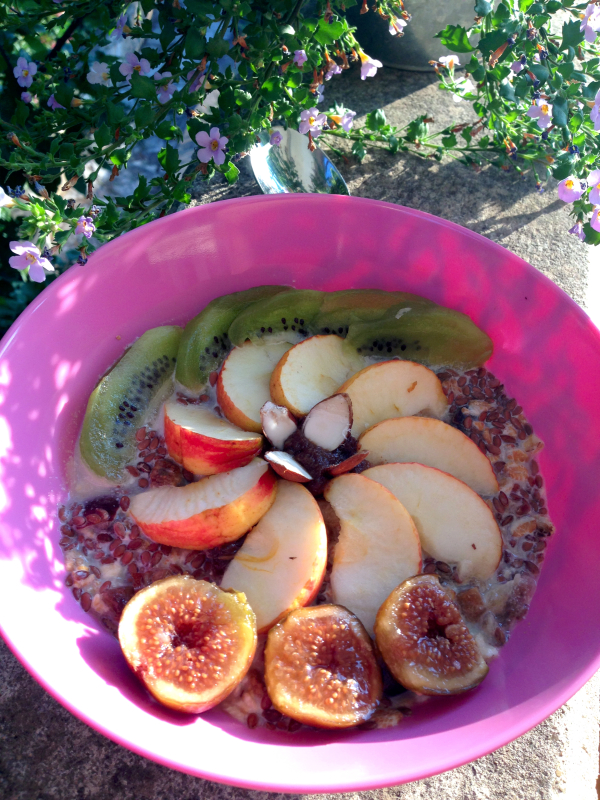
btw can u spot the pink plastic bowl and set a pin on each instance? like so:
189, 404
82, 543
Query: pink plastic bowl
546, 351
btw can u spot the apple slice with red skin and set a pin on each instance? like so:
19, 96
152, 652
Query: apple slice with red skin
281, 564
455, 525
431, 442
204, 443
210, 512
287, 467
378, 545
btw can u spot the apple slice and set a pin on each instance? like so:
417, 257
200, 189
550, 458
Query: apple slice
277, 423
211, 512
378, 545
286, 466
281, 564
243, 384
455, 525
431, 442
204, 443
311, 371
393, 389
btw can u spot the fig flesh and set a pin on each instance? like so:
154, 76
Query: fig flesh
188, 641
424, 640
320, 668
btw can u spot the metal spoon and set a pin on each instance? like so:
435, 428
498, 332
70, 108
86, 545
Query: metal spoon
292, 167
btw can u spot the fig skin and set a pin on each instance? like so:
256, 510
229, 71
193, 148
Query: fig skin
302, 674
424, 639
197, 620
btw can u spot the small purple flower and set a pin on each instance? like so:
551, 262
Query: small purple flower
319, 93
275, 139
99, 73
590, 22
449, 61
165, 93
517, 66
595, 220
212, 145
119, 31
577, 230
593, 181
26, 97
369, 66
570, 189
86, 226
24, 72
334, 69
198, 80
311, 120
542, 112
300, 57
134, 64
396, 26
28, 256
53, 103
347, 121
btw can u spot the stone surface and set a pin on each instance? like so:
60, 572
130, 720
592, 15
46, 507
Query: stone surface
47, 754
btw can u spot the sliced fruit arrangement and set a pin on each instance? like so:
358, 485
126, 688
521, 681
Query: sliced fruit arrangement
188, 641
424, 640
311, 371
287, 467
341, 309
281, 564
205, 341
210, 512
205, 444
433, 443
135, 387
328, 423
393, 389
277, 423
455, 525
378, 545
286, 316
431, 334
320, 668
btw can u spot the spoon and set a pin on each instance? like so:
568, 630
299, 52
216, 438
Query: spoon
292, 167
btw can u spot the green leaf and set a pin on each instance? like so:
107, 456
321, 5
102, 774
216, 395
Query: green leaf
579, 140
502, 13
232, 174
64, 94
449, 141
242, 98
60, 237
271, 89
553, 6
103, 135
294, 80
571, 35
483, 7
167, 131
591, 236
560, 111
455, 38
195, 44
563, 167
507, 91
142, 87
143, 115
417, 129
358, 150
556, 81
327, 33
217, 47
120, 157
524, 5
375, 120
566, 69
394, 144
491, 41
168, 158
286, 30
540, 72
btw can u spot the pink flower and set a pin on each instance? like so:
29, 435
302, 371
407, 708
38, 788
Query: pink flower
397, 26
311, 120
119, 32
590, 22
300, 57
593, 181
449, 61
577, 230
275, 139
134, 64
517, 66
334, 69
212, 145
99, 73
595, 220
198, 80
369, 66
24, 72
542, 111
53, 103
26, 97
165, 93
28, 257
86, 226
347, 121
570, 189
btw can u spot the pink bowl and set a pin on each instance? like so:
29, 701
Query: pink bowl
546, 351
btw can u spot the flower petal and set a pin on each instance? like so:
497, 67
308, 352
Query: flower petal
205, 155
219, 157
203, 139
215, 133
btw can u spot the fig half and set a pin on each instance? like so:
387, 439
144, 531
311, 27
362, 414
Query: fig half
424, 640
320, 668
188, 641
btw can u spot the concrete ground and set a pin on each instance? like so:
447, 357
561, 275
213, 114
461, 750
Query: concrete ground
47, 754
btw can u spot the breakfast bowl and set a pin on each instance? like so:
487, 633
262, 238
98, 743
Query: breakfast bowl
546, 352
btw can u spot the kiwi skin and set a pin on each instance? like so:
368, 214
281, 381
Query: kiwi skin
288, 316
205, 342
133, 388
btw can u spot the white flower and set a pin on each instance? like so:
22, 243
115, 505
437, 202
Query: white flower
464, 86
4, 198
99, 73
449, 61
211, 100
397, 25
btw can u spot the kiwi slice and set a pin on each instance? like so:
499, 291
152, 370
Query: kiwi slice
428, 334
288, 316
138, 383
205, 342
340, 309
